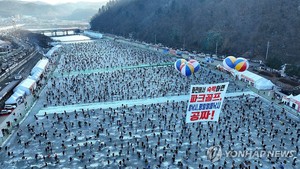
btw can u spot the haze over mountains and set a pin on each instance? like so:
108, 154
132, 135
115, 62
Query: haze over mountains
240, 28
70, 11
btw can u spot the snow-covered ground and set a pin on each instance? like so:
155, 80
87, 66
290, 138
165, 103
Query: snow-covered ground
127, 84
71, 38
129, 103
153, 134
134, 117
102, 71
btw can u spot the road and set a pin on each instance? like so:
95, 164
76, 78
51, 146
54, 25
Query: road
23, 69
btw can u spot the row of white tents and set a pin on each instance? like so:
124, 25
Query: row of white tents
258, 82
28, 85
261, 83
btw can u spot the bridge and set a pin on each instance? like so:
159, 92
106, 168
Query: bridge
58, 31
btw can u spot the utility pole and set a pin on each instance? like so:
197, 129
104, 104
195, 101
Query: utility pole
155, 39
268, 45
183, 43
217, 48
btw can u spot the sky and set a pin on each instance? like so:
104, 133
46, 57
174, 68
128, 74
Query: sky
66, 1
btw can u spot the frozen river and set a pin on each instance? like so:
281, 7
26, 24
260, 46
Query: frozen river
134, 117
71, 38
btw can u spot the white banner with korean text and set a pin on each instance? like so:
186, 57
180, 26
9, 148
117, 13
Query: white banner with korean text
205, 102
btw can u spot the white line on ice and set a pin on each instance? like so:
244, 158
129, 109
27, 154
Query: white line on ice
129, 103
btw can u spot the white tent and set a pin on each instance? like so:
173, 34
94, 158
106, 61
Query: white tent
290, 96
286, 99
19, 94
248, 76
40, 66
255, 80
292, 101
11, 100
295, 102
27, 85
297, 98
37, 75
264, 84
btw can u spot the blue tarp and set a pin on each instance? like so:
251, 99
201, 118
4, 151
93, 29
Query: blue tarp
165, 51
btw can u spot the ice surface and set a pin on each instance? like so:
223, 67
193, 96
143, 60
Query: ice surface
134, 126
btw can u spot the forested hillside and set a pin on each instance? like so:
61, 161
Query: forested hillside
238, 27
71, 11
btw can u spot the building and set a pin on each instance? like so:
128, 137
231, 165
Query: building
292, 101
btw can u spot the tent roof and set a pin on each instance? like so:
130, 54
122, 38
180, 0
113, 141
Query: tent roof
42, 63
263, 84
265, 81
27, 83
35, 77
19, 93
297, 97
251, 75
38, 72
11, 100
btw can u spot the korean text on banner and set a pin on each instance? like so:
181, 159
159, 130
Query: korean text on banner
205, 102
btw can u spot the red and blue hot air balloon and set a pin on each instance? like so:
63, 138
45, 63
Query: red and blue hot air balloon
178, 64
195, 64
187, 69
241, 64
229, 62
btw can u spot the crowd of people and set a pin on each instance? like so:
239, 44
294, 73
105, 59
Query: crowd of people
144, 135
106, 54
154, 136
122, 84
127, 84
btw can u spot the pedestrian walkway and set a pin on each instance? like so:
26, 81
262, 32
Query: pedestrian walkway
128, 103
91, 71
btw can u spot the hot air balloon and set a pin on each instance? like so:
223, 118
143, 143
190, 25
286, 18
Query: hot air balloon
241, 64
195, 64
187, 69
178, 64
228, 62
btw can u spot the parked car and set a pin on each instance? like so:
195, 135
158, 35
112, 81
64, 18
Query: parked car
10, 106
18, 77
4, 111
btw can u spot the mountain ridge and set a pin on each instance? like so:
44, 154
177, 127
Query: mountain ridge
43, 10
241, 28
